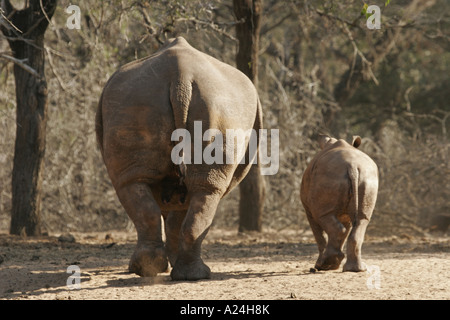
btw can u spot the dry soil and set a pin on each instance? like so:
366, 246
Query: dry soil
270, 265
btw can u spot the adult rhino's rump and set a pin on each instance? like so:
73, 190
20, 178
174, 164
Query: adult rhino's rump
140, 107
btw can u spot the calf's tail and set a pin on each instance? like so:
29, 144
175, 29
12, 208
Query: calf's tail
353, 175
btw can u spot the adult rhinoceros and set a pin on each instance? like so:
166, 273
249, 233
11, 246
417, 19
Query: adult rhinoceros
141, 106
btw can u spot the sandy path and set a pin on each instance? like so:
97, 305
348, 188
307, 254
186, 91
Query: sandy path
269, 266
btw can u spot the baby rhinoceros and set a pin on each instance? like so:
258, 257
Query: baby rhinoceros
339, 190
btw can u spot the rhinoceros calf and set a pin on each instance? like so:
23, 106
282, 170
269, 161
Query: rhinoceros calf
141, 106
338, 191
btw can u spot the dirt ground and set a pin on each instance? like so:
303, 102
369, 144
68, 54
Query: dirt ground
266, 266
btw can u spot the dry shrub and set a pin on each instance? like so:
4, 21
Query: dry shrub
414, 180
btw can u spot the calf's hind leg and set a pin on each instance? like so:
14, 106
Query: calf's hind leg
318, 235
361, 217
354, 244
149, 257
337, 232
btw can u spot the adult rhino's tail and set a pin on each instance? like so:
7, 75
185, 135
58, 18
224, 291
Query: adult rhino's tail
99, 125
257, 126
180, 99
259, 118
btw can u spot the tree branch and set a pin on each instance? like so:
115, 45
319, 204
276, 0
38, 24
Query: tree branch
214, 26
265, 29
9, 24
45, 13
7, 7
21, 63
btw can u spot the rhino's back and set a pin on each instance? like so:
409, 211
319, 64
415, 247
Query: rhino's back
334, 164
138, 112
217, 88
326, 182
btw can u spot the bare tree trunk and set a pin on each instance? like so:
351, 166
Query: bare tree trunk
31, 96
252, 188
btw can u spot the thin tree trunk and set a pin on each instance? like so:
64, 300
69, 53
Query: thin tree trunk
31, 98
252, 188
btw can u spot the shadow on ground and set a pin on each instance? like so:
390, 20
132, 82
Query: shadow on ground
34, 266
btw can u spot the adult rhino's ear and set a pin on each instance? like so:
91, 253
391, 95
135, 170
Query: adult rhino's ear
323, 140
356, 142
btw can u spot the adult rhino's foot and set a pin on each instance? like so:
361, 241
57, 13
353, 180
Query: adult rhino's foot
354, 266
148, 262
329, 261
192, 271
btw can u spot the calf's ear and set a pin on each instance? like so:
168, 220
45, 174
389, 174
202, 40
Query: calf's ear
323, 140
356, 142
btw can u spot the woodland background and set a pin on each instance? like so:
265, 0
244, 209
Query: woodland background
320, 69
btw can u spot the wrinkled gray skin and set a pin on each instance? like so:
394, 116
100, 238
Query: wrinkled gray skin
339, 190
141, 105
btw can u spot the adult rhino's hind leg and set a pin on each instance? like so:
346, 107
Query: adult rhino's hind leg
149, 257
189, 264
173, 221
